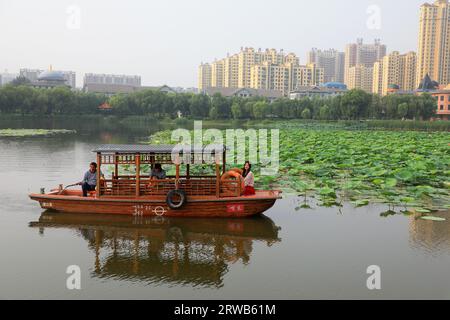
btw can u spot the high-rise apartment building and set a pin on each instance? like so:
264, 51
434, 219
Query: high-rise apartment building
249, 57
257, 69
409, 71
362, 54
377, 79
332, 61
309, 75
92, 78
285, 77
395, 70
434, 42
271, 76
218, 74
204, 76
360, 77
231, 70
71, 78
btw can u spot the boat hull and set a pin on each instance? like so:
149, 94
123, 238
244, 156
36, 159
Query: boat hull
209, 207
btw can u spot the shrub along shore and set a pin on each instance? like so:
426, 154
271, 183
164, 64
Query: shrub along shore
353, 105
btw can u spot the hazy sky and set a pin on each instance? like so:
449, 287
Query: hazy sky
165, 41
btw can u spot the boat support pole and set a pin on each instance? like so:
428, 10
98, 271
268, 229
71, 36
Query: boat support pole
99, 165
138, 174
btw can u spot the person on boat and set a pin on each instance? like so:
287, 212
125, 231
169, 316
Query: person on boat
90, 179
158, 172
249, 179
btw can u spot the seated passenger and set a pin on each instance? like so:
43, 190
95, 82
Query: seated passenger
158, 173
249, 179
89, 182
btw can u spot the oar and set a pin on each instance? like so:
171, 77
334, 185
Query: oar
69, 186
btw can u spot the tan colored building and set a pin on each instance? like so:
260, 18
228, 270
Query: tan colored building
204, 76
270, 76
332, 61
309, 75
286, 77
362, 54
410, 74
231, 70
377, 82
360, 77
434, 42
269, 70
395, 70
248, 57
218, 74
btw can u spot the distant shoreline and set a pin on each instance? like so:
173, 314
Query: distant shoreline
137, 122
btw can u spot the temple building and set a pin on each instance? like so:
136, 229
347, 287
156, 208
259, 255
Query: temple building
427, 85
50, 79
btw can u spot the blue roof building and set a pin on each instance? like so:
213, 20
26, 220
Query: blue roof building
334, 85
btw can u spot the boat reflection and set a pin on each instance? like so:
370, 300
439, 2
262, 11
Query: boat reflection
430, 236
195, 252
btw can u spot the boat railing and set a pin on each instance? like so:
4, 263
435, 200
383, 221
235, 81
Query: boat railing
193, 186
133, 177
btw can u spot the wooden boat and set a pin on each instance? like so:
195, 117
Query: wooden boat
176, 196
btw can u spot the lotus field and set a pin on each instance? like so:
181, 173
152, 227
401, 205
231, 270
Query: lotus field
401, 168
406, 168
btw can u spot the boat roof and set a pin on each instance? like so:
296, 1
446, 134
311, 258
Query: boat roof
147, 148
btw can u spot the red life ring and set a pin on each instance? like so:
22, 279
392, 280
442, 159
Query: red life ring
234, 173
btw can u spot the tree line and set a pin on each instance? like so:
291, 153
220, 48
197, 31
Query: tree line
353, 105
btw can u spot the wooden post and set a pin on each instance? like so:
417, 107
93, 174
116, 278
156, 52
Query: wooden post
239, 181
177, 176
99, 165
188, 174
224, 162
217, 180
116, 166
137, 160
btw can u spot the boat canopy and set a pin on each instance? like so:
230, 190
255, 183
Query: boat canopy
155, 149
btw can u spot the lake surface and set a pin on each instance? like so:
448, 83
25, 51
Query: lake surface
289, 253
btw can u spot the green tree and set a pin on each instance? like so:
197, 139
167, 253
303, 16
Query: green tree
427, 106
260, 109
199, 106
355, 104
403, 110
306, 114
236, 110
324, 113
221, 106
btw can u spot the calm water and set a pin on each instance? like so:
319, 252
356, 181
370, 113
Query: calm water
288, 253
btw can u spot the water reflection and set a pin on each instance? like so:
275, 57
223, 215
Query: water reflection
195, 252
430, 236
